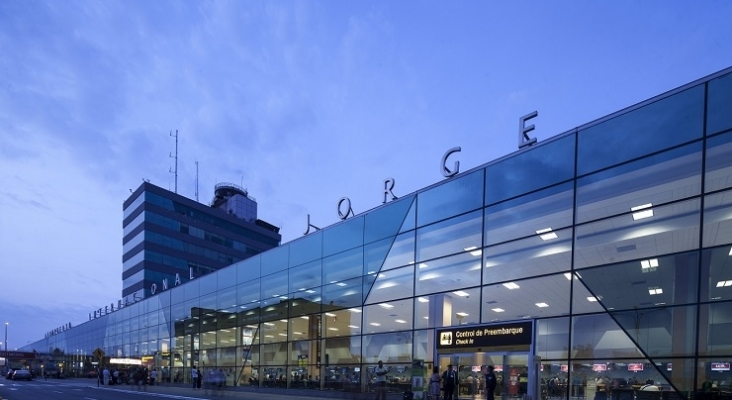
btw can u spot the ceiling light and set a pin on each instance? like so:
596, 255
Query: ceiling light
354, 310
297, 333
642, 214
330, 314
730, 251
269, 324
461, 293
282, 334
283, 320
341, 284
569, 276
591, 299
375, 324
462, 314
310, 291
332, 329
426, 317
546, 234
353, 326
655, 290
511, 285
301, 289
422, 300
724, 283
268, 336
423, 265
400, 321
470, 248
649, 264
387, 306
305, 317
542, 305
498, 309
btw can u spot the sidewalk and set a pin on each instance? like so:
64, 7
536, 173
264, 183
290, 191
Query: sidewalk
230, 392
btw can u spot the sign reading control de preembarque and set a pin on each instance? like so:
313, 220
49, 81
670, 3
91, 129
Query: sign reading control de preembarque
485, 336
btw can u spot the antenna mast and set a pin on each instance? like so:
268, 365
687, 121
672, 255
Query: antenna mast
196, 180
176, 159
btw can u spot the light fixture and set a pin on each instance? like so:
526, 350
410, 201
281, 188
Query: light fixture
569, 276
498, 309
375, 324
353, 326
511, 285
462, 314
310, 291
297, 333
341, 284
283, 320
646, 212
423, 300
332, 329
591, 299
269, 336
649, 265
269, 324
354, 310
400, 321
730, 251
330, 314
282, 334
542, 305
305, 317
423, 265
653, 290
546, 234
387, 306
724, 283
474, 251
461, 293
301, 289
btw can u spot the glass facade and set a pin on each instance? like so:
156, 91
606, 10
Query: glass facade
614, 239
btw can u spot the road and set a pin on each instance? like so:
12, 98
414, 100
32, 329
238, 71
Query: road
85, 389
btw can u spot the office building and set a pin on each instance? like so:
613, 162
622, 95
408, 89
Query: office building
169, 239
598, 258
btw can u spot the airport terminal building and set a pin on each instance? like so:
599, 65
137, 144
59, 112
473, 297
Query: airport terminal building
599, 258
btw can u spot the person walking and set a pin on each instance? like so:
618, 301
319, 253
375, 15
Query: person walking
380, 373
194, 376
105, 374
435, 383
449, 382
490, 383
153, 375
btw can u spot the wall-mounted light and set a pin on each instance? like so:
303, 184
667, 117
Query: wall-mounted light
644, 211
546, 234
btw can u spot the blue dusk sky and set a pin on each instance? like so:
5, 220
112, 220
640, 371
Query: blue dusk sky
300, 102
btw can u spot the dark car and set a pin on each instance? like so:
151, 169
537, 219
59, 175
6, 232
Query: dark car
9, 375
22, 374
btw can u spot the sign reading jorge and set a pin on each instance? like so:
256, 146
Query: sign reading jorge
512, 334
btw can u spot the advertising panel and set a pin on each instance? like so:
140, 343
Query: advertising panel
635, 367
720, 366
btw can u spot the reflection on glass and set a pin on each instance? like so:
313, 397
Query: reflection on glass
389, 253
448, 273
531, 298
719, 98
449, 237
392, 284
344, 236
386, 317
459, 195
716, 274
389, 348
718, 219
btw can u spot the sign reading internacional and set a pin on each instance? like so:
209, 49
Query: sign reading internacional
513, 334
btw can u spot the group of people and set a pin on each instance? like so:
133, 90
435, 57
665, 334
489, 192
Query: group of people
140, 376
216, 378
450, 382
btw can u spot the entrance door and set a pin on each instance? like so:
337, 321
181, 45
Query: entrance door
512, 373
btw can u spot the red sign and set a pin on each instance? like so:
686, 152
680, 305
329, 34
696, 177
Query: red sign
564, 368
599, 367
17, 354
635, 367
720, 366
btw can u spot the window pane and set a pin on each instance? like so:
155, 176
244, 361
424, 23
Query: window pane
305, 249
673, 228
599, 336
226, 277
454, 197
275, 260
386, 220
716, 278
273, 354
424, 342
345, 350
389, 285
531, 298
389, 253
550, 208
449, 273
342, 323
719, 114
274, 286
343, 236
718, 166
537, 255
226, 298
386, 317
343, 294
389, 348
552, 338
461, 307
715, 322
248, 292
305, 302
248, 269
644, 283
306, 276
449, 237
343, 266
718, 219
665, 123
654, 180
537, 167
273, 331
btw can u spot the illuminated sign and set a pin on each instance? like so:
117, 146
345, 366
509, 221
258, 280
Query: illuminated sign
125, 361
514, 334
635, 367
564, 368
720, 366
599, 367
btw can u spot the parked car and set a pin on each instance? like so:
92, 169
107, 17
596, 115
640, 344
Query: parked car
22, 374
9, 375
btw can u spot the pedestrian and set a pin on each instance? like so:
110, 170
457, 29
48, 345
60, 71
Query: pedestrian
435, 383
449, 382
194, 376
137, 377
490, 383
153, 375
105, 374
380, 373
200, 378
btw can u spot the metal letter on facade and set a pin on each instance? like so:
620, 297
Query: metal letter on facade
523, 138
153, 288
190, 273
312, 226
349, 210
165, 283
443, 167
388, 187
177, 279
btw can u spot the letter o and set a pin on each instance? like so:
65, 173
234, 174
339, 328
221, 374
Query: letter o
349, 210
153, 288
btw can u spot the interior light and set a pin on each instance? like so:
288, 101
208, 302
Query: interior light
354, 310
569, 276
282, 334
591, 299
332, 329
462, 293
511, 285
297, 333
655, 290
269, 324
375, 324
310, 291
423, 265
720, 283
330, 314
423, 300
646, 212
387, 306
498, 309
341, 284
730, 251
426, 317
305, 317
268, 336
476, 253
400, 321
542, 305
471, 248
727, 283
353, 326
462, 314
301, 289
546, 234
